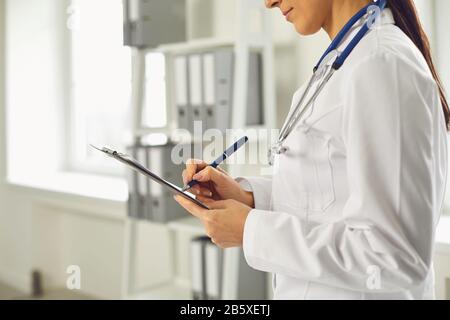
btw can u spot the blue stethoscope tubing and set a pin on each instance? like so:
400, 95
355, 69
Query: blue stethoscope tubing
298, 112
381, 4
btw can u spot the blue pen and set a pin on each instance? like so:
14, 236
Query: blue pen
232, 149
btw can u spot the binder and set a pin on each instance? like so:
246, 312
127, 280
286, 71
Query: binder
214, 262
209, 95
254, 91
240, 281
206, 269
156, 208
133, 200
198, 268
163, 208
149, 200
224, 73
144, 20
195, 89
182, 93
170, 210
142, 186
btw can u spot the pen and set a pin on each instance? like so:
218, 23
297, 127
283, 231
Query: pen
228, 152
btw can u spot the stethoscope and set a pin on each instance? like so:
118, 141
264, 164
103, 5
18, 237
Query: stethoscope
374, 10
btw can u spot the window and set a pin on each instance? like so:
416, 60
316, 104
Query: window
35, 86
100, 88
100, 83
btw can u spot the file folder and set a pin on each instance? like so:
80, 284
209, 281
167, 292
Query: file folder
214, 262
144, 21
133, 196
142, 170
195, 89
209, 96
206, 269
255, 103
198, 267
224, 73
143, 186
157, 192
182, 93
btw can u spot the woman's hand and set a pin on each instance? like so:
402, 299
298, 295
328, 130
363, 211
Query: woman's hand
224, 223
215, 183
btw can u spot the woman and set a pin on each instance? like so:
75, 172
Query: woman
352, 208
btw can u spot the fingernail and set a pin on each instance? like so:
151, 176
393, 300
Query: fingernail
207, 193
197, 176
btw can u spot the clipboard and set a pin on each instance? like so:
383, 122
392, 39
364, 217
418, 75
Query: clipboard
135, 165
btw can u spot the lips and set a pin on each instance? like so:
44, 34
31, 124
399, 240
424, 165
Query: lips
285, 13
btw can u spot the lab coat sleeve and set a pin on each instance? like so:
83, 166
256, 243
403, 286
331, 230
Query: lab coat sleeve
387, 223
261, 188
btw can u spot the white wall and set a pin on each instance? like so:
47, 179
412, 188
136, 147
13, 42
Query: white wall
443, 41
2, 119
426, 10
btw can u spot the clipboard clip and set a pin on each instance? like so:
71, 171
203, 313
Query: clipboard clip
110, 152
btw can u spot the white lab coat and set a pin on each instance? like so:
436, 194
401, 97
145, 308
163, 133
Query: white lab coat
359, 192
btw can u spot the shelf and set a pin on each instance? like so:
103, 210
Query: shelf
206, 44
194, 45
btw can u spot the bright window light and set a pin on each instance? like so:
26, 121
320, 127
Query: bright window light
100, 82
34, 87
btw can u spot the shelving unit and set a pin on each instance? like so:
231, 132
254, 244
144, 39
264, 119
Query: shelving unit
245, 40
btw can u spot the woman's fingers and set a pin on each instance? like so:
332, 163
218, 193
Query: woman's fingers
221, 170
209, 174
221, 204
229, 204
192, 167
184, 176
205, 200
199, 190
191, 207
196, 166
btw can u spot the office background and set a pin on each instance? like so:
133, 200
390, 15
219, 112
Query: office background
60, 205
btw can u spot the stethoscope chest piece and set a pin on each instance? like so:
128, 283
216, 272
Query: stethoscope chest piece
277, 149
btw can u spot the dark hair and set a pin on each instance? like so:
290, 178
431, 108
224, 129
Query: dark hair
407, 19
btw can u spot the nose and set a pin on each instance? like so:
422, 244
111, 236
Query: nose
273, 4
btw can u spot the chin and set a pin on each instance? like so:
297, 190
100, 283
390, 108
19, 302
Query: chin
306, 30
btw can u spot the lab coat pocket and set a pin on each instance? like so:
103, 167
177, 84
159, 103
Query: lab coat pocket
315, 167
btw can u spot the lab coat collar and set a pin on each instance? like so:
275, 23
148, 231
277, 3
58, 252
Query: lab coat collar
387, 17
